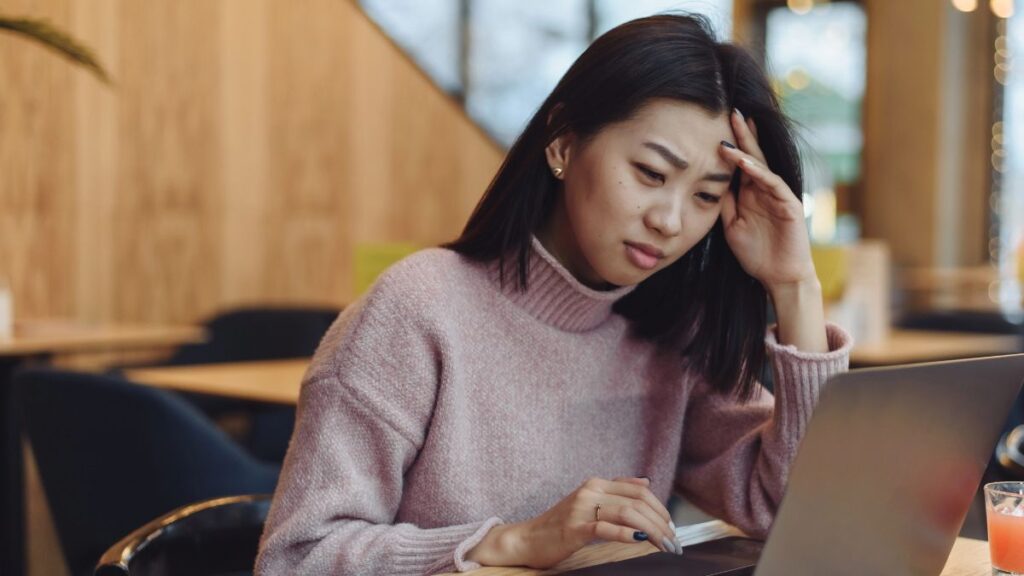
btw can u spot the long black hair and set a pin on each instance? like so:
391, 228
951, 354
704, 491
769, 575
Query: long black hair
703, 305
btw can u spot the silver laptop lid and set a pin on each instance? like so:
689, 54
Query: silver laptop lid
888, 467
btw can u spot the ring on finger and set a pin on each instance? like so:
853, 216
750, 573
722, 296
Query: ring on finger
597, 513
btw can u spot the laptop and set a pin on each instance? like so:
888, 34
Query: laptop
883, 479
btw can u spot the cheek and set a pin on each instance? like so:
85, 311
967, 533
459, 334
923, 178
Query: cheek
603, 203
705, 217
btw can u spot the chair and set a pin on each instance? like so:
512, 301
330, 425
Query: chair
258, 334
216, 537
246, 334
113, 455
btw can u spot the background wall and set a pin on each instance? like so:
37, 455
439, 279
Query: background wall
246, 147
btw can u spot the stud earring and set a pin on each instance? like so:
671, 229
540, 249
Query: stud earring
557, 171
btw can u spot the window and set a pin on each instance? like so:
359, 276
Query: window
822, 90
427, 30
1006, 244
611, 13
503, 57
519, 51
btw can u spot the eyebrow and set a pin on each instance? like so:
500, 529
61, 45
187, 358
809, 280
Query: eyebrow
683, 164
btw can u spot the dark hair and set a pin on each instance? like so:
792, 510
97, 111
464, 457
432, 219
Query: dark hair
704, 305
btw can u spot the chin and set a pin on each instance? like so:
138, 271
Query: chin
626, 277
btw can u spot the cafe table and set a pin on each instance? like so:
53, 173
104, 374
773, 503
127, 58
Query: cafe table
968, 558
276, 381
37, 341
908, 346
279, 380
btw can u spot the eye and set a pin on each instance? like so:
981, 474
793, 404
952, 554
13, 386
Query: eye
651, 174
709, 198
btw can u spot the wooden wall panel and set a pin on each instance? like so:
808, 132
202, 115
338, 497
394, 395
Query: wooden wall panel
243, 151
36, 199
167, 216
309, 90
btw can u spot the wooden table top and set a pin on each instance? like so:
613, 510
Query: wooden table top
280, 380
968, 558
267, 381
907, 346
62, 336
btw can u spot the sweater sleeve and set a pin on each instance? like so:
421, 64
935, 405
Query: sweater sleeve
362, 417
736, 456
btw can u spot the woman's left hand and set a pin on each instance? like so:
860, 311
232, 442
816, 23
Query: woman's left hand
765, 226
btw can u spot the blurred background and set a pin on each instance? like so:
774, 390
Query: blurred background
232, 173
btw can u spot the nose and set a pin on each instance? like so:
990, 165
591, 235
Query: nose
666, 216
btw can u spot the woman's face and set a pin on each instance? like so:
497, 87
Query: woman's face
650, 184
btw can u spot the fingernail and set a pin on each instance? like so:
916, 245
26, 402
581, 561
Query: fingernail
680, 547
738, 113
640, 536
672, 525
728, 144
667, 545
648, 478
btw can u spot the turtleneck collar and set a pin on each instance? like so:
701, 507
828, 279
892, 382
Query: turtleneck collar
554, 296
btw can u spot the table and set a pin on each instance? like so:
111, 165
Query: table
968, 558
279, 381
35, 340
275, 381
907, 346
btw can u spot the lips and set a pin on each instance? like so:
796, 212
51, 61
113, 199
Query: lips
647, 249
643, 256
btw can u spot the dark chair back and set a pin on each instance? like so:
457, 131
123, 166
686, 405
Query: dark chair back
268, 333
114, 455
212, 538
258, 334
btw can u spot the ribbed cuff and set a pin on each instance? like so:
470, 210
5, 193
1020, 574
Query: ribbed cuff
799, 377
430, 551
463, 565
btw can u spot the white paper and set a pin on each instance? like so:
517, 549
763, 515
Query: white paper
705, 531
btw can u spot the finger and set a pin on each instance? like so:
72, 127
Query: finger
766, 179
745, 137
753, 130
757, 172
639, 480
639, 493
620, 508
728, 208
632, 519
610, 532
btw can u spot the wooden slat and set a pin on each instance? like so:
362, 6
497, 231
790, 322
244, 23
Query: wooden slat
271, 381
64, 337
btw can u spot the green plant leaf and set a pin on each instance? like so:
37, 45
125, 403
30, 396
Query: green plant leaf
48, 35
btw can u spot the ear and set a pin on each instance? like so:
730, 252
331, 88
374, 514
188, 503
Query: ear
559, 153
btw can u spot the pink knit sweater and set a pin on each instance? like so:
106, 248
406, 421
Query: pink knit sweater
439, 405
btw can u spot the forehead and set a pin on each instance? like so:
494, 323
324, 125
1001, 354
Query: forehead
682, 125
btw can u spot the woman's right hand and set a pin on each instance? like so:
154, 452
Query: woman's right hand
629, 512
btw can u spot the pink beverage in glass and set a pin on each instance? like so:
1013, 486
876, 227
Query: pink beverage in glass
1004, 509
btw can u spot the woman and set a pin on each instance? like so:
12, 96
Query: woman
589, 345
